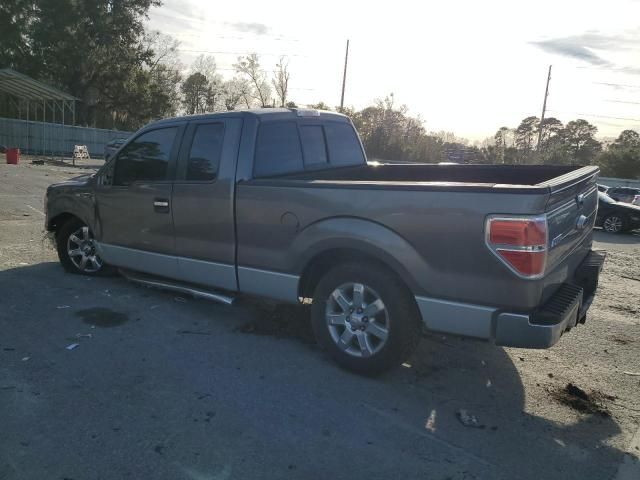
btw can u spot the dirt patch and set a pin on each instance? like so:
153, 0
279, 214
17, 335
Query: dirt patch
621, 340
577, 399
281, 321
102, 317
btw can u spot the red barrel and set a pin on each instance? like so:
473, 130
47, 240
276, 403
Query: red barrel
13, 155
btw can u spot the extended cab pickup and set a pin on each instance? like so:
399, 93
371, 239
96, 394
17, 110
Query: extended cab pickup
282, 204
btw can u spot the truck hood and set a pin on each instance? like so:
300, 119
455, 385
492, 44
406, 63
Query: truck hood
79, 181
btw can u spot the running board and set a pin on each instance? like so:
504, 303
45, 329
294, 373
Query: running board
164, 284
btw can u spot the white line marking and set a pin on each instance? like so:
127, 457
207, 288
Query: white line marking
35, 209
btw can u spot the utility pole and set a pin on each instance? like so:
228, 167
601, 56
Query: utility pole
544, 108
344, 76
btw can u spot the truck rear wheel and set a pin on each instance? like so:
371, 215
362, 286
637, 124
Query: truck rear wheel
365, 318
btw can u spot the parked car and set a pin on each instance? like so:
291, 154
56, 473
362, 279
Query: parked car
282, 204
616, 217
623, 194
112, 147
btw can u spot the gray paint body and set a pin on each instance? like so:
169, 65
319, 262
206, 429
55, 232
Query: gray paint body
257, 236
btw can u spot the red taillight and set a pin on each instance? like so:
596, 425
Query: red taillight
520, 233
526, 263
521, 243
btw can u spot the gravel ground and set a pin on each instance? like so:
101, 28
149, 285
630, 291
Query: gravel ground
162, 386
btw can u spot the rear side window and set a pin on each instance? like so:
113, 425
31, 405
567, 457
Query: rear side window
277, 149
314, 145
205, 153
344, 147
146, 158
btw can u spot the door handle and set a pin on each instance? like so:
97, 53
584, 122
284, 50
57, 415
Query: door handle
161, 205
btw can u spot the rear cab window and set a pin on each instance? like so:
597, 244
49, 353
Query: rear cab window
290, 146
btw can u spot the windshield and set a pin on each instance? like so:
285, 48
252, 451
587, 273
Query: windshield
603, 197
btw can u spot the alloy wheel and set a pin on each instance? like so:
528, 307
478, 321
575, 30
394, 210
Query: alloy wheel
357, 319
82, 251
613, 224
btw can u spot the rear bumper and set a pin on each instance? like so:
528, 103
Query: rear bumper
540, 328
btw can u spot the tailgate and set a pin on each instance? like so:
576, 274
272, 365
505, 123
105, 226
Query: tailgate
571, 213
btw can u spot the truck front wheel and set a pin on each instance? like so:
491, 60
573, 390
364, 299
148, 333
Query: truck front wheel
365, 318
77, 251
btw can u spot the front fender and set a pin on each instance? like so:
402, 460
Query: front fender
364, 236
79, 203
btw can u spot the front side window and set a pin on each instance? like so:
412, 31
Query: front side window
205, 153
146, 158
277, 149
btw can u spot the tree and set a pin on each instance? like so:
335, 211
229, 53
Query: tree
94, 50
235, 91
628, 139
525, 134
195, 90
249, 67
320, 106
550, 127
501, 143
622, 159
206, 65
281, 80
580, 137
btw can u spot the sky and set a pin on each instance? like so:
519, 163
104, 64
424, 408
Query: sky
467, 67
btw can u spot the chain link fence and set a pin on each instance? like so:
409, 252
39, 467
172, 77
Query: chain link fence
54, 139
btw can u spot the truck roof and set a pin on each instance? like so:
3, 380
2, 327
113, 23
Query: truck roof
261, 113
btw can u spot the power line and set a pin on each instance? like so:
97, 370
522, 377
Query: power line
622, 101
242, 53
617, 85
597, 116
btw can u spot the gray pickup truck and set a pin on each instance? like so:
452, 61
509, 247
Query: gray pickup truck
282, 204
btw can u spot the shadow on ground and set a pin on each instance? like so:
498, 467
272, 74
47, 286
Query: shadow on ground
179, 388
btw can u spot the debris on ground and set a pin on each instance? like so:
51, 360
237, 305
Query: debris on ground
467, 419
282, 321
102, 317
577, 399
193, 332
72, 346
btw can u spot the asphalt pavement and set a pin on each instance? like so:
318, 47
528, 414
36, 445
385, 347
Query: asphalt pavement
104, 379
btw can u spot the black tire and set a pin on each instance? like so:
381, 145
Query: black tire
402, 319
614, 223
63, 233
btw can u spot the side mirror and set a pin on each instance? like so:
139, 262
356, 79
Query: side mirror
104, 177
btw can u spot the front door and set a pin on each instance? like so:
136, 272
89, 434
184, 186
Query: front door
133, 203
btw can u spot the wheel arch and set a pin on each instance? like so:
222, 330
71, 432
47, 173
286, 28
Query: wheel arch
54, 223
328, 243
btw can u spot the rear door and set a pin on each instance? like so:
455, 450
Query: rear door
133, 203
203, 202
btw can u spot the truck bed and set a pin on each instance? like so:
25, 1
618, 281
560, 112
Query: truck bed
549, 177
